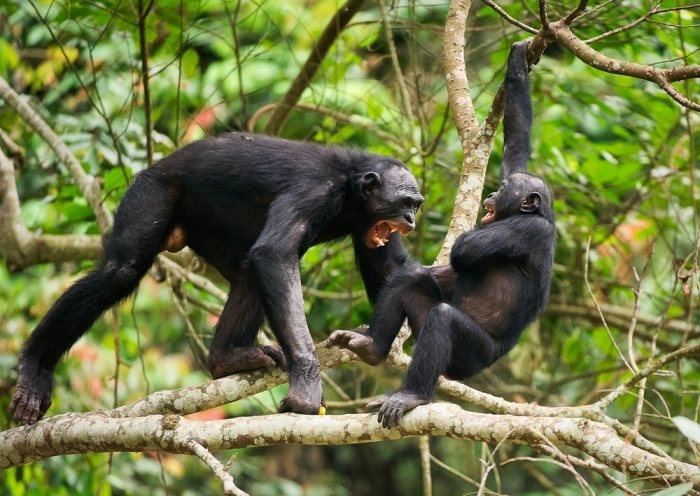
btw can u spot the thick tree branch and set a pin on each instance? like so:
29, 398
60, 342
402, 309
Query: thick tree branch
477, 140
318, 53
221, 391
88, 185
663, 77
456, 71
75, 433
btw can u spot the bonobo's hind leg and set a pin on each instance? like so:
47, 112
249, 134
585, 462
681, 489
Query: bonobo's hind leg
410, 292
450, 341
141, 225
232, 348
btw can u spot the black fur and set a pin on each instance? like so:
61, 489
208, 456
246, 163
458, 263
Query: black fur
251, 206
472, 312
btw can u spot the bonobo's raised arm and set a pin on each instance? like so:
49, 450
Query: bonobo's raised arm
517, 115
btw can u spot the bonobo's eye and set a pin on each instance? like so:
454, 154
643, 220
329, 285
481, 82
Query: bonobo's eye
412, 203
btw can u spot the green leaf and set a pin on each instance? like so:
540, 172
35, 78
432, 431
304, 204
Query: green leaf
679, 490
689, 428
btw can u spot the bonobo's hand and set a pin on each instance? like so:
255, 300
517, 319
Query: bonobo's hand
517, 58
394, 405
360, 344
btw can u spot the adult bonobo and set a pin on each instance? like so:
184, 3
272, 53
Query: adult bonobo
251, 206
472, 312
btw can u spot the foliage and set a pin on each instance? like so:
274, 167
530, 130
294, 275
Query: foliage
621, 157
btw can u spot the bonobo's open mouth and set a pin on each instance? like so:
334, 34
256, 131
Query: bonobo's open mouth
490, 212
378, 235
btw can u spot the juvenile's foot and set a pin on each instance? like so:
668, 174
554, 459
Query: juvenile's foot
394, 405
360, 344
32, 398
245, 359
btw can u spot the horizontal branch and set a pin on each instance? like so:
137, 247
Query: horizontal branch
86, 433
663, 77
219, 392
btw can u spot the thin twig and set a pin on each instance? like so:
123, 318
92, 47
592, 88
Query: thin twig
143, 54
424, 448
600, 312
576, 13
500, 11
217, 467
403, 90
308, 71
655, 365
88, 185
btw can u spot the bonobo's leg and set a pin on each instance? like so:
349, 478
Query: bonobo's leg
232, 348
141, 225
274, 260
448, 334
410, 292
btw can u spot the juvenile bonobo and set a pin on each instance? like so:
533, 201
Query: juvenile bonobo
472, 312
251, 206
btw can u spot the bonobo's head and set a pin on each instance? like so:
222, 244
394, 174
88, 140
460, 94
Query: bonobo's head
390, 197
520, 193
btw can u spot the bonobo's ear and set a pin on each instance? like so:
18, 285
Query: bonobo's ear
531, 203
370, 181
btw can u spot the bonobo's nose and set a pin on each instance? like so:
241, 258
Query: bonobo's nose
491, 195
410, 220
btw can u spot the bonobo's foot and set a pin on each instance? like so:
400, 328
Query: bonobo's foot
245, 359
305, 394
32, 397
394, 405
360, 344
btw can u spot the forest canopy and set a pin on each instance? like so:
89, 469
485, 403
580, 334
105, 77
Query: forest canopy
600, 396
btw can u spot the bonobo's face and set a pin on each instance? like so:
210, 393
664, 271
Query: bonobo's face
520, 194
391, 198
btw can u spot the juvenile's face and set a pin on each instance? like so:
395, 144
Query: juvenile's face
391, 201
516, 196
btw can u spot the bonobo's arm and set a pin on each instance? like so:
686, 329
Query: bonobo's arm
517, 114
293, 221
377, 264
515, 237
